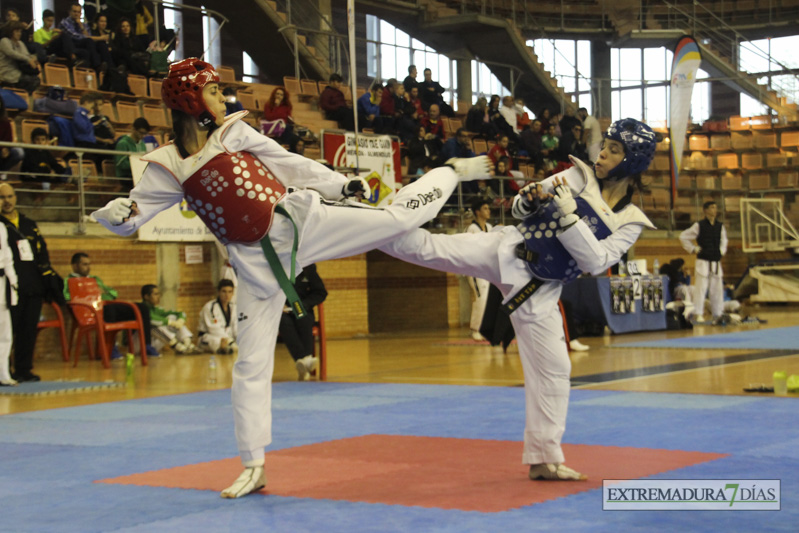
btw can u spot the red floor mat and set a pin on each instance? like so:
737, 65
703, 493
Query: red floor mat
447, 473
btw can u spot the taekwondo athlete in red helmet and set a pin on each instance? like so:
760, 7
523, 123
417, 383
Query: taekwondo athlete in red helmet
580, 220
275, 211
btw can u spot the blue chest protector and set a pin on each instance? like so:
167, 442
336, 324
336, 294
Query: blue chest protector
540, 231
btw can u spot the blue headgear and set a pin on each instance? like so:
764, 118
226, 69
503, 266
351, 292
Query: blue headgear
639, 146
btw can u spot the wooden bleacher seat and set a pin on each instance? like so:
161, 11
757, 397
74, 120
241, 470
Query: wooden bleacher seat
28, 125
155, 115
720, 142
320, 85
155, 87
89, 169
751, 160
660, 197
760, 122
742, 141
727, 161
698, 142
454, 125
226, 74
776, 160
292, 85
109, 169
788, 179
309, 88
759, 180
138, 85
731, 182
765, 140
480, 146
705, 181
247, 100
85, 79
739, 123
55, 74
127, 112
789, 139
732, 204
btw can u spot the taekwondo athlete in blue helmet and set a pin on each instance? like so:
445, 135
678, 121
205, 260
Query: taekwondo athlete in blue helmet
580, 220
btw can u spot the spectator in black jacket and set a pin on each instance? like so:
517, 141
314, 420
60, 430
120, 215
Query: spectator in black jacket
431, 93
43, 162
571, 143
126, 50
36, 281
297, 333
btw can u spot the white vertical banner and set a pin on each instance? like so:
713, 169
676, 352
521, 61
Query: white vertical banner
374, 158
685, 64
353, 69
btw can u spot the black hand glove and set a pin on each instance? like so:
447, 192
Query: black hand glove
355, 187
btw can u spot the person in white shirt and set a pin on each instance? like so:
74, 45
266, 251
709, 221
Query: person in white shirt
592, 134
8, 298
508, 112
482, 212
218, 319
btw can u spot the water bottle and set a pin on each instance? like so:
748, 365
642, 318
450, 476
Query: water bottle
90, 80
212, 369
622, 268
656, 268
129, 365
780, 383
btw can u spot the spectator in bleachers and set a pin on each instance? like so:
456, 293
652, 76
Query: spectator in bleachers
277, 121
101, 34
84, 131
43, 162
81, 35
53, 40
530, 142
410, 80
335, 106
433, 123
297, 147
551, 143
496, 117
458, 146
144, 23
569, 121
545, 116
416, 111
508, 112
404, 124
133, 142
18, 67
9, 157
477, 120
35, 49
572, 144
522, 118
501, 150
431, 92
592, 134
126, 50
388, 108
369, 108
232, 104
509, 186
422, 147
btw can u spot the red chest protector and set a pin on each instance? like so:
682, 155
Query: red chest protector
235, 195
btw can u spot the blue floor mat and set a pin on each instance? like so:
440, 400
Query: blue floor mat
765, 339
52, 458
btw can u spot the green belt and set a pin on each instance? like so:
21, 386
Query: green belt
286, 283
520, 297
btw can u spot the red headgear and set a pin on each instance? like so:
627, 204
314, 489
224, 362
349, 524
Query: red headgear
182, 88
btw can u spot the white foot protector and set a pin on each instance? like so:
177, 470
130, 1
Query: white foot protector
251, 480
555, 472
578, 346
471, 168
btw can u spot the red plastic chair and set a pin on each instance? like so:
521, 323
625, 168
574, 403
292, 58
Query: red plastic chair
57, 322
86, 304
321, 338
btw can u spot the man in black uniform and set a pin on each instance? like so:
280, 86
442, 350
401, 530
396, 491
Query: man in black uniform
297, 333
32, 263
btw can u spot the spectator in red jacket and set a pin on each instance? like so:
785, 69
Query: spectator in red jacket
278, 109
500, 150
335, 106
388, 109
433, 123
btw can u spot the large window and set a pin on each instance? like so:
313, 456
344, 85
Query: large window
766, 58
640, 86
570, 63
391, 51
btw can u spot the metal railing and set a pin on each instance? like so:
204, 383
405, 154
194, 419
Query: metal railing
78, 190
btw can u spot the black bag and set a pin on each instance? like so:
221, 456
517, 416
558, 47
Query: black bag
676, 320
116, 81
53, 288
